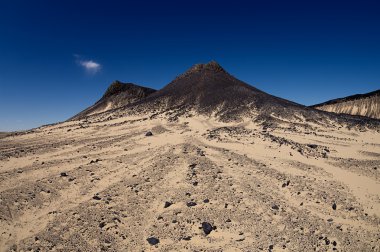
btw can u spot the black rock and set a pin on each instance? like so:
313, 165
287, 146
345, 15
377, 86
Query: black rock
191, 204
149, 133
64, 174
207, 228
167, 204
275, 207
102, 224
334, 206
206, 201
153, 241
187, 238
96, 197
313, 146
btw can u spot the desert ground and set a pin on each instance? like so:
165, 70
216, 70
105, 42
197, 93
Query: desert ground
195, 184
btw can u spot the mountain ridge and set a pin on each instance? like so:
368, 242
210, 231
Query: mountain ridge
367, 105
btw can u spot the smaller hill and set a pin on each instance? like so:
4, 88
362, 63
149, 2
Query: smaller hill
117, 95
360, 104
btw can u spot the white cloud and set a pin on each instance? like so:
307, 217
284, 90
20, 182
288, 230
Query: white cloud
90, 66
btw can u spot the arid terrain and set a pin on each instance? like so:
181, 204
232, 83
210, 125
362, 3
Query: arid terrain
193, 174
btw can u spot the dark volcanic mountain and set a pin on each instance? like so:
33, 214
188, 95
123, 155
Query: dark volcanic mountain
361, 104
207, 89
117, 95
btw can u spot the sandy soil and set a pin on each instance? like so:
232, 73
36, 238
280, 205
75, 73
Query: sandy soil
194, 185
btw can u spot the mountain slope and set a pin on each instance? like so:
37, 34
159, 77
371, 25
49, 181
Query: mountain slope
117, 95
361, 104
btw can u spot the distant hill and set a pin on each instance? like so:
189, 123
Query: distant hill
4, 134
360, 104
117, 95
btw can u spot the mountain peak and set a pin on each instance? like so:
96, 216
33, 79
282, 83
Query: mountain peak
211, 66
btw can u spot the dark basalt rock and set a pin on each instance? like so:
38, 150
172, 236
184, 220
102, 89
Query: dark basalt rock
153, 241
207, 228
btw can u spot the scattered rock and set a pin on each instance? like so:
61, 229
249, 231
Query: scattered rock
187, 238
95, 161
191, 204
207, 228
96, 197
334, 206
149, 133
206, 201
153, 241
275, 207
313, 146
167, 204
64, 174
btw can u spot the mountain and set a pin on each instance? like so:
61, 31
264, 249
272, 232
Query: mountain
117, 95
360, 104
208, 89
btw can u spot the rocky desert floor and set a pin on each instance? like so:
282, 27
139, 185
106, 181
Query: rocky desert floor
195, 184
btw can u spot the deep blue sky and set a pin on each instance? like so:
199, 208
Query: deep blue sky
306, 51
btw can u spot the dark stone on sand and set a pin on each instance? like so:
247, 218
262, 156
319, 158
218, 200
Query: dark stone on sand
167, 204
153, 241
96, 197
64, 174
149, 133
334, 206
207, 228
275, 207
191, 204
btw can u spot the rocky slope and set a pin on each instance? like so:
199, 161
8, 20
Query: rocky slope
117, 95
361, 104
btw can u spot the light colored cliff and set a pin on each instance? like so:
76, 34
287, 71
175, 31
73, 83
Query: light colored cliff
364, 106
